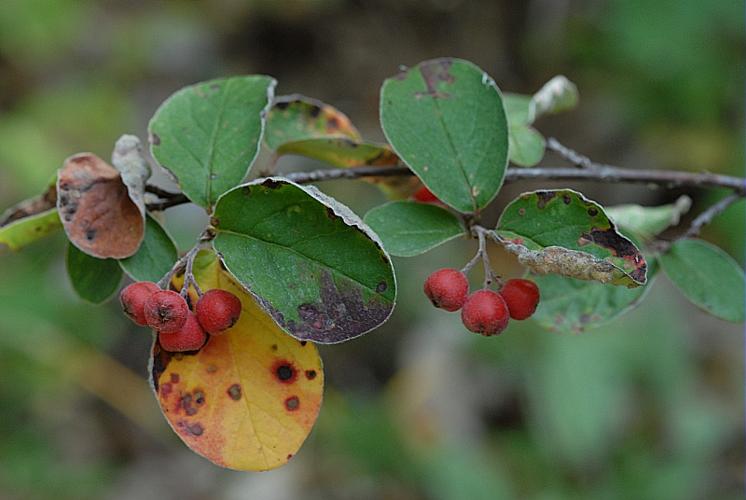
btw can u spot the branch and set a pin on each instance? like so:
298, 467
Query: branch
708, 215
176, 199
580, 161
160, 192
601, 173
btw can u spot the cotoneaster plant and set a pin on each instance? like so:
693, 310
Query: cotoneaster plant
281, 266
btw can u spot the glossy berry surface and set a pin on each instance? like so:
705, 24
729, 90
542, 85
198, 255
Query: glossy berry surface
424, 195
218, 310
190, 338
133, 299
447, 289
521, 296
166, 311
485, 312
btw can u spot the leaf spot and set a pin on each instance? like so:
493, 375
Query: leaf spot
195, 429
234, 392
285, 372
544, 197
433, 73
292, 403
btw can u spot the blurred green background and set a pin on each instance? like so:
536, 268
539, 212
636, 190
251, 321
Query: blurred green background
648, 407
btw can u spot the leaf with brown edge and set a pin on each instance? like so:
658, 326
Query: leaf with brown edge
296, 117
300, 125
249, 398
313, 264
95, 208
562, 232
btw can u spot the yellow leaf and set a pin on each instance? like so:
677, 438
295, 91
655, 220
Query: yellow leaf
249, 398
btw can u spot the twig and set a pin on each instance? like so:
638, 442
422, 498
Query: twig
489, 274
165, 282
160, 192
469, 265
485, 258
157, 206
709, 214
189, 274
580, 161
185, 262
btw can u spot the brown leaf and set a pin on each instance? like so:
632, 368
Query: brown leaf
98, 215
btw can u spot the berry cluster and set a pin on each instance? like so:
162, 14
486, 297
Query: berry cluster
167, 312
485, 311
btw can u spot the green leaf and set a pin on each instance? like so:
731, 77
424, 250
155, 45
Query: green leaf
208, 134
342, 152
408, 229
296, 118
526, 145
94, 280
647, 222
22, 232
155, 257
445, 120
314, 266
519, 108
569, 305
562, 232
708, 277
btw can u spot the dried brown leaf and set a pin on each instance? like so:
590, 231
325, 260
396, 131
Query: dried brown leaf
96, 211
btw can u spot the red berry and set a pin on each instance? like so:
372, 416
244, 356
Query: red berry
485, 312
424, 195
190, 338
521, 296
447, 289
218, 310
166, 311
133, 299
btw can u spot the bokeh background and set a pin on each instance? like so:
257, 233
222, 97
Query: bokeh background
648, 407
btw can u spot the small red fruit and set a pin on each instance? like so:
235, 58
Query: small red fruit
133, 299
485, 312
190, 338
166, 311
447, 289
218, 310
424, 195
521, 296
